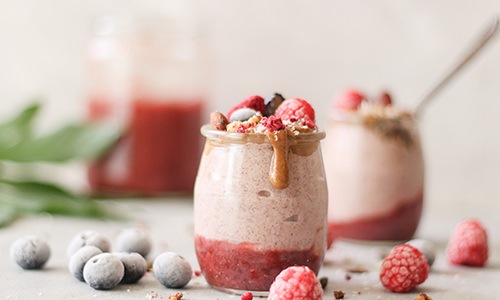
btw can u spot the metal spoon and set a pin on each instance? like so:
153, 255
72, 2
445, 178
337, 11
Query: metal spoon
483, 39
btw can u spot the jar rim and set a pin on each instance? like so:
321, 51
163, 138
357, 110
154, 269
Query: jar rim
209, 132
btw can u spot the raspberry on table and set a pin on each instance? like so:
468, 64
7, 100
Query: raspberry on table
403, 268
349, 100
295, 108
254, 102
468, 244
296, 282
247, 296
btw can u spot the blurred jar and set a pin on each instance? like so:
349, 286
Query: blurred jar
375, 173
152, 79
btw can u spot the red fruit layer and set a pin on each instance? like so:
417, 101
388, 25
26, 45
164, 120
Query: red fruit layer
162, 147
242, 267
397, 225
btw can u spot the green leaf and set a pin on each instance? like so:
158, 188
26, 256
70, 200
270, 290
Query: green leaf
20, 127
27, 197
75, 141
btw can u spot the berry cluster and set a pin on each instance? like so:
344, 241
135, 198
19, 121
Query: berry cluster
257, 115
351, 100
91, 261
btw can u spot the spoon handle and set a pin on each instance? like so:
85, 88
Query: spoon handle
483, 39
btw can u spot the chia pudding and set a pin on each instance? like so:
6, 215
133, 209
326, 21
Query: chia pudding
260, 200
375, 171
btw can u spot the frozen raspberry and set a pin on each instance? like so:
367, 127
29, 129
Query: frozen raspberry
247, 296
254, 102
272, 123
297, 282
468, 244
403, 268
295, 108
349, 100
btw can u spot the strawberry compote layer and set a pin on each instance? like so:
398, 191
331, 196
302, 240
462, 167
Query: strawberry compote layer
375, 172
247, 230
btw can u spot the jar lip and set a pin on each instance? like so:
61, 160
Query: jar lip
209, 132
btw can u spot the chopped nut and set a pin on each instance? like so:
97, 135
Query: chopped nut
338, 294
218, 120
176, 296
423, 296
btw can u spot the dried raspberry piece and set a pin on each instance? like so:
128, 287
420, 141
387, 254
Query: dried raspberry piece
272, 123
297, 282
349, 100
254, 102
403, 268
295, 109
468, 244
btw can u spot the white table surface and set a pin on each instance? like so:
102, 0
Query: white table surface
170, 223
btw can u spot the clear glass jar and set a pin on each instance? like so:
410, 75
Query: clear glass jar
153, 80
375, 173
248, 228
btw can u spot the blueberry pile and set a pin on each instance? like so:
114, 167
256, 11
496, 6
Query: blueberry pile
91, 261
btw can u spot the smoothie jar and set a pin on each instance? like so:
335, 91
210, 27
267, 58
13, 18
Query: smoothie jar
155, 86
260, 207
375, 173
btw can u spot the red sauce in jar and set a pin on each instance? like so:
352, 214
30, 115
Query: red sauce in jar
159, 152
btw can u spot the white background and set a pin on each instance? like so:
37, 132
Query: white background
307, 49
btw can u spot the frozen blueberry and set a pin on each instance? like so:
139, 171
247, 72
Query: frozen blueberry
88, 238
103, 271
80, 258
172, 270
134, 240
30, 252
242, 114
426, 247
135, 266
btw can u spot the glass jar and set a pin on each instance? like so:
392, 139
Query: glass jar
156, 87
248, 227
375, 173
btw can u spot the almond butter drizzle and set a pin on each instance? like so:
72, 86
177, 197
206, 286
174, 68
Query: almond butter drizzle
278, 173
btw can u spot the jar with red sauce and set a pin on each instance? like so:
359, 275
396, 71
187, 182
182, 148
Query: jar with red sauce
375, 171
260, 207
150, 79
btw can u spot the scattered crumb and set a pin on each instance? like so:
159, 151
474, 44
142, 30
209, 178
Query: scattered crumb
347, 276
197, 273
176, 296
338, 295
357, 270
423, 296
324, 282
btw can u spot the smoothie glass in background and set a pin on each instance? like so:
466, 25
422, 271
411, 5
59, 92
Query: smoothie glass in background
251, 224
151, 80
375, 170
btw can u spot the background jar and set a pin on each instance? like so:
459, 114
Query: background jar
375, 173
246, 230
155, 86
